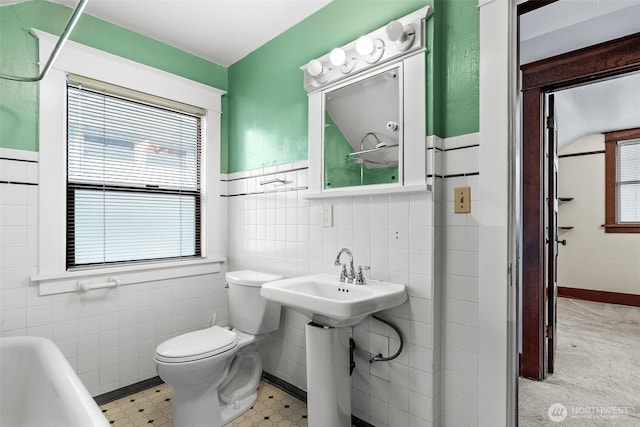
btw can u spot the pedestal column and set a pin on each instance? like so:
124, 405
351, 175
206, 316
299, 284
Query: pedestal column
328, 379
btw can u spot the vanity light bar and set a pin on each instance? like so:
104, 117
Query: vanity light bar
397, 39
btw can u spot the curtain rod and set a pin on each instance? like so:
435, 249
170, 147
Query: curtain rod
61, 41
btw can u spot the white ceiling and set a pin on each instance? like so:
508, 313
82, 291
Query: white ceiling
221, 31
597, 108
567, 25
566, 13
573, 24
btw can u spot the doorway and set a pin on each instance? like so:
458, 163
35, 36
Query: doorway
540, 79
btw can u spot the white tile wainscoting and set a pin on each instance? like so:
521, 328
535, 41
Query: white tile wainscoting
108, 336
410, 238
414, 238
460, 285
277, 230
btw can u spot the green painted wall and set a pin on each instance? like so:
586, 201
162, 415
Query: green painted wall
338, 173
265, 114
461, 75
18, 54
268, 104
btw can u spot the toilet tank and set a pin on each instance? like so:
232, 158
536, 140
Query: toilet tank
248, 311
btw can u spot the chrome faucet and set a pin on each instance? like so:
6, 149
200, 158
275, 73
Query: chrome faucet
360, 280
346, 276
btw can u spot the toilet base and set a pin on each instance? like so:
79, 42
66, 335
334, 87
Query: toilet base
191, 410
213, 394
233, 410
195, 407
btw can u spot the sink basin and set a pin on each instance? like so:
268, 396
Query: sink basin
329, 302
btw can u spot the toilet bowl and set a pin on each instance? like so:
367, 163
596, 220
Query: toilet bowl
215, 372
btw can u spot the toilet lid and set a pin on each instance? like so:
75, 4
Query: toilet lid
197, 345
250, 278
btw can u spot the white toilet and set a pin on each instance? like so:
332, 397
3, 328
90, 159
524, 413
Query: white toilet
215, 372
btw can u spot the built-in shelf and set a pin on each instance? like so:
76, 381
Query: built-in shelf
359, 156
373, 150
565, 228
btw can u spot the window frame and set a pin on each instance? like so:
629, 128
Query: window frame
611, 140
73, 186
52, 274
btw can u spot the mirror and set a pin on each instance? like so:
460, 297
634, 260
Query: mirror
363, 136
367, 114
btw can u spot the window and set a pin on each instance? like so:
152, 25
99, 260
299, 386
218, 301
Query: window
146, 167
622, 171
133, 177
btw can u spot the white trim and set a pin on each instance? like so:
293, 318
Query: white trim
316, 122
92, 63
86, 61
497, 109
413, 162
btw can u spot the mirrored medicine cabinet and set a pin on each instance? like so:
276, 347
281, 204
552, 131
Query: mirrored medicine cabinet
362, 135
367, 130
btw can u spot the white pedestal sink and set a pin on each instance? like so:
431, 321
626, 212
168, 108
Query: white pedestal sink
332, 306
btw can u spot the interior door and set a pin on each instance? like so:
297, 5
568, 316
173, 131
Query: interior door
551, 232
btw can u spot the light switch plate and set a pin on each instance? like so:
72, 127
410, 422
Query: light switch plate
462, 200
327, 216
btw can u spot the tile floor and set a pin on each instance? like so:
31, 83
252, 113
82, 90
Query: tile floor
274, 408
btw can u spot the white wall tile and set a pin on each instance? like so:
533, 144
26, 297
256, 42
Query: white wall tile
394, 235
399, 260
420, 406
420, 262
360, 403
39, 315
399, 209
45, 331
379, 414
88, 326
88, 344
64, 330
11, 299
398, 417
13, 320
420, 286
420, 358
379, 258
399, 237
380, 210
420, 382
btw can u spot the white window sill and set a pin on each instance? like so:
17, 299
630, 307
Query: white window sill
69, 281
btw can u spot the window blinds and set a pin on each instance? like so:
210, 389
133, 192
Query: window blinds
628, 181
133, 178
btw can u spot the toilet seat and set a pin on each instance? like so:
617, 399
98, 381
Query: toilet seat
196, 345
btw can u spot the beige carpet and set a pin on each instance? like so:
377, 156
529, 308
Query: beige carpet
597, 378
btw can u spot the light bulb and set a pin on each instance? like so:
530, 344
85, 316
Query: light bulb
395, 31
315, 68
364, 45
401, 36
337, 56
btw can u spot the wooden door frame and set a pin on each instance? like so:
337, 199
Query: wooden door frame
595, 62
